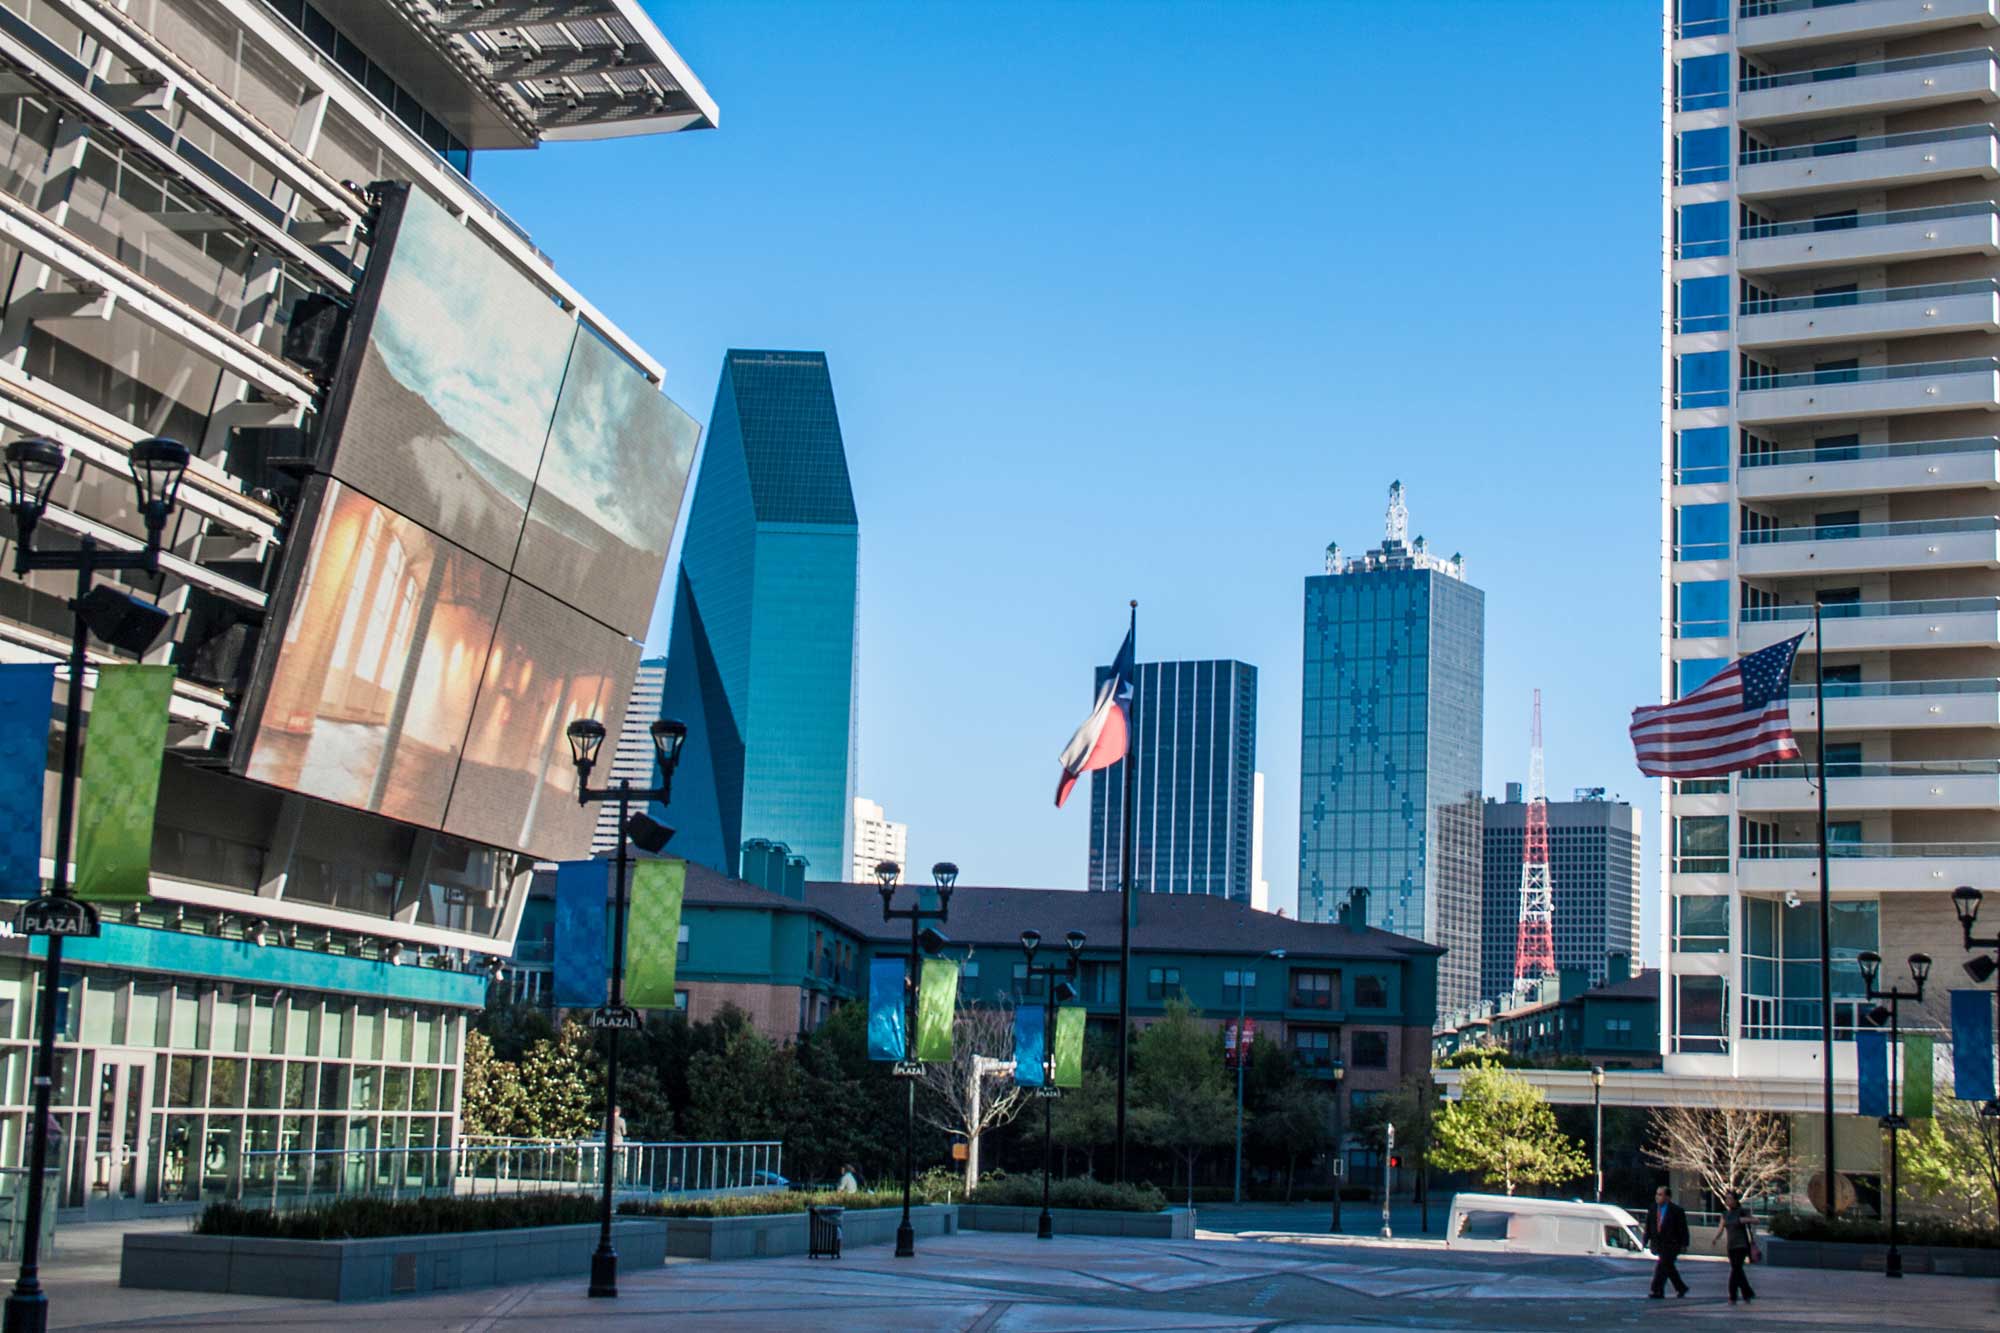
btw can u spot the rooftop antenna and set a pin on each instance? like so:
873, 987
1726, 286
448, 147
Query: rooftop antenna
1396, 528
1534, 946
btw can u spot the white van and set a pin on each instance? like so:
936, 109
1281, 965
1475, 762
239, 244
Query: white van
1504, 1223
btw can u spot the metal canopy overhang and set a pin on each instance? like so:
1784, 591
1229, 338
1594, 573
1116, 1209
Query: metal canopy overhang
510, 75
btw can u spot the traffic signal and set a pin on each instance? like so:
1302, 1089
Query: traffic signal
1396, 1161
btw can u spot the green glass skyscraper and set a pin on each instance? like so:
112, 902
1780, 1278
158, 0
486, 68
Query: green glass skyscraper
760, 664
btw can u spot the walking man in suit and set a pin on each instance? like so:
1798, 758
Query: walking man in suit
1667, 1237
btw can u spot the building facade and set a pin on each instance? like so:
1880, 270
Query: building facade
1194, 733
1391, 746
634, 760
1593, 875
1568, 1019
877, 838
234, 224
1830, 385
761, 660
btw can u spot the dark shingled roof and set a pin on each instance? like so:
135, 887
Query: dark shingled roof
1645, 986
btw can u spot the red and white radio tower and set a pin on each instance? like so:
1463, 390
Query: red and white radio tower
1534, 946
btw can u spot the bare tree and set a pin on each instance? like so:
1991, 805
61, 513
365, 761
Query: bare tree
1729, 1145
975, 1091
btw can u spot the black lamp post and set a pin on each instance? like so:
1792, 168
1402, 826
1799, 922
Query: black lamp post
586, 737
1871, 972
1965, 901
1339, 1067
923, 939
1597, 1137
1060, 985
32, 466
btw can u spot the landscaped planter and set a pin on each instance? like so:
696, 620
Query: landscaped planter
775, 1234
1173, 1224
366, 1270
1963, 1262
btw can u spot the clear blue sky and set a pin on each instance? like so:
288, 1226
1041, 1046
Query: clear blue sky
1154, 301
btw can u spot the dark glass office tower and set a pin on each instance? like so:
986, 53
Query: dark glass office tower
761, 660
1194, 727
1593, 873
1390, 747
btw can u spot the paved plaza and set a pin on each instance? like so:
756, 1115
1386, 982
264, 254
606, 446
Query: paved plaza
994, 1283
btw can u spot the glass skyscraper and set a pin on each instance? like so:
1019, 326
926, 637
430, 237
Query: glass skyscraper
761, 660
1391, 747
1194, 728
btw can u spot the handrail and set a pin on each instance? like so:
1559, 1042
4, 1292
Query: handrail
1758, 8
1868, 144
1873, 296
1804, 379
1893, 768
1862, 69
1849, 453
1847, 222
1934, 606
1904, 689
1834, 532
1801, 851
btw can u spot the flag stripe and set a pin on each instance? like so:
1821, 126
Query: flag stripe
1739, 718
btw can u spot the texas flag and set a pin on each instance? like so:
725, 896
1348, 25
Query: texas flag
1101, 741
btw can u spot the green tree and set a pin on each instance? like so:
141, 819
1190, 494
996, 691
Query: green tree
1502, 1129
560, 1082
1085, 1118
513, 1029
847, 1109
1298, 1122
493, 1095
1180, 1100
741, 1090
1951, 1163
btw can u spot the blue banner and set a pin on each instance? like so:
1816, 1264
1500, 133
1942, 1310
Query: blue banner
1030, 1033
886, 1000
1972, 1045
1871, 1054
580, 970
26, 693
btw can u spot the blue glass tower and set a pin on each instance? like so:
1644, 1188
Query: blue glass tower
1391, 747
760, 664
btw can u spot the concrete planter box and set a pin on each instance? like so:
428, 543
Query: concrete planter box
1950, 1260
785, 1233
366, 1270
1173, 1224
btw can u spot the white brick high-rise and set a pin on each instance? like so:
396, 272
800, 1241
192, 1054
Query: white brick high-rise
876, 839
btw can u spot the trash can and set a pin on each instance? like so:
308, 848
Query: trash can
823, 1232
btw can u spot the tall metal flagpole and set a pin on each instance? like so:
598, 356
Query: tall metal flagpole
1832, 1201
1125, 899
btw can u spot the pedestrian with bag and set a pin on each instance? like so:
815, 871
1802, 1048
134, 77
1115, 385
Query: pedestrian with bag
1740, 1225
1667, 1237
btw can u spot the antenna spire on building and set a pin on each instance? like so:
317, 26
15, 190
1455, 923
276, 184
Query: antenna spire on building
1534, 944
1396, 528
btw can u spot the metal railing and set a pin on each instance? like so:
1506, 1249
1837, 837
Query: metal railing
1851, 453
285, 1177
1805, 379
1862, 69
1904, 689
1848, 222
1931, 606
1873, 296
1758, 8
1894, 768
1868, 144
1809, 851
1837, 532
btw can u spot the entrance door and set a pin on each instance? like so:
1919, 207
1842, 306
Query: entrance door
118, 1167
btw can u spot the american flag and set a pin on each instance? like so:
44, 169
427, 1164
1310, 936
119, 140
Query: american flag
1739, 719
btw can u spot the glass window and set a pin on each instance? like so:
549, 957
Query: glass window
1701, 230
1239, 985
1701, 609
1701, 305
1701, 379
1699, 1009
1701, 922
1701, 532
1701, 844
1314, 990
1701, 455
1691, 673
1701, 155
1700, 18
1702, 81
1370, 1050
1162, 982
1370, 992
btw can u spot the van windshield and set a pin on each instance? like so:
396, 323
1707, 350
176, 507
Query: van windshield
1483, 1225
1621, 1238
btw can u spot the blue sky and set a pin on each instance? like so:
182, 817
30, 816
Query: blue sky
1154, 301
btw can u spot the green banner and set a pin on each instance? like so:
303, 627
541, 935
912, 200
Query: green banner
653, 933
937, 1005
122, 749
1917, 1078
1069, 1046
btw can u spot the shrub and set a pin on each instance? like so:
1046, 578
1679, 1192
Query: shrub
1074, 1192
764, 1205
1875, 1231
365, 1219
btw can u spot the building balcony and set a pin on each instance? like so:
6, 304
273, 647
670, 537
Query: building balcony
1972, 384
1928, 867
1859, 548
1934, 784
1880, 162
1882, 313
1870, 469
1771, 25
1869, 87
1899, 705
1868, 238
1941, 622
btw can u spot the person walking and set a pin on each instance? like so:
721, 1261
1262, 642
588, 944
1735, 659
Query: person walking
1667, 1237
1740, 1224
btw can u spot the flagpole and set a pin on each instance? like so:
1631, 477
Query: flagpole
1125, 898
1832, 1200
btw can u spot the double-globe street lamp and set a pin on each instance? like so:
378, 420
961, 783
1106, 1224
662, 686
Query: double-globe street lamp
1965, 901
1059, 984
32, 467
586, 738
1871, 972
924, 939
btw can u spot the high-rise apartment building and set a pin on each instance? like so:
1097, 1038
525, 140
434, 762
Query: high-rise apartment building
1832, 377
876, 839
634, 759
1391, 746
1594, 876
1194, 730
761, 660
392, 573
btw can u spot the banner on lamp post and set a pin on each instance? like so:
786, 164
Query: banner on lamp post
1972, 1045
1918, 1082
580, 971
886, 999
27, 695
1069, 1046
653, 933
937, 1006
1029, 1047
1871, 1057
122, 751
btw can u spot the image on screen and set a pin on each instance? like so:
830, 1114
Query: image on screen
459, 369
380, 664
609, 490
550, 665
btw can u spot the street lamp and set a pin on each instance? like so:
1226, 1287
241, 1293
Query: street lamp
586, 738
927, 939
1965, 901
1339, 1067
1243, 981
1871, 972
1597, 1113
1061, 985
32, 466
